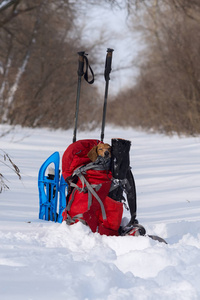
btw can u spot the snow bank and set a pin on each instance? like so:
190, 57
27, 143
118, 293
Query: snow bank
45, 260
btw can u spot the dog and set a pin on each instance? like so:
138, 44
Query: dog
103, 150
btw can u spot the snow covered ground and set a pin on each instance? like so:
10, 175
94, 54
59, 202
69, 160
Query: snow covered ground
42, 260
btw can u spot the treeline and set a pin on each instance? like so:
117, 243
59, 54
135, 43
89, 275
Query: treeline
166, 96
38, 65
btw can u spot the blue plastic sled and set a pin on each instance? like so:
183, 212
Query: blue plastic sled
52, 190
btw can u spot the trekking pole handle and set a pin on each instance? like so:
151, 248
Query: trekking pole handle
81, 63
108, 64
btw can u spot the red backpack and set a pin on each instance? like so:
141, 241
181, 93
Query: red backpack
87, 200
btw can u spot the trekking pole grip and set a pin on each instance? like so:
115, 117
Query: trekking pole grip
81, 63
108, 64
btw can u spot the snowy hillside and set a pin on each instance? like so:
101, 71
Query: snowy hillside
42, 260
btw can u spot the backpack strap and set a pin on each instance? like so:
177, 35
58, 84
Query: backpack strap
99, 164
123, 183
125, 186
78, 217
92, 191
86, 186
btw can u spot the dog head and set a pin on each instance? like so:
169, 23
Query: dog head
103, 150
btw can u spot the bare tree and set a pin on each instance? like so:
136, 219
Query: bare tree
167, 92
39, 65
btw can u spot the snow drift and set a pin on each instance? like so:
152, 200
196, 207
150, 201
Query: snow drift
46, 260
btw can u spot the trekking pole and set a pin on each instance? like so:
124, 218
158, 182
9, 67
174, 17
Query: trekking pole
107, 78
80, 74
81, 59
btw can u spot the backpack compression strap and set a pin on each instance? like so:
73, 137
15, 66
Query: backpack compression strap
99, 164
